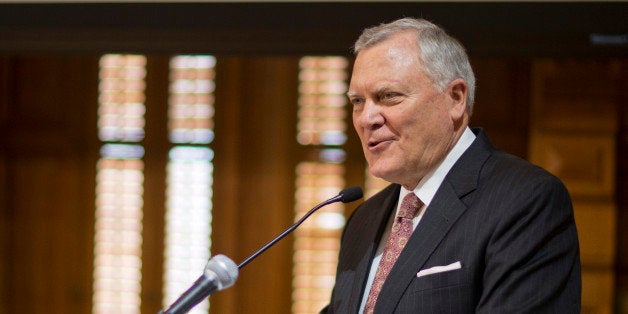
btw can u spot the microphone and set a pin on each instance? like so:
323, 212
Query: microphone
220, 273
347, 195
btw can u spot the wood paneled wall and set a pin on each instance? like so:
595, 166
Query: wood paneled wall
47, 175
256, 105
560, 113
622, 199
502, 102
574, 135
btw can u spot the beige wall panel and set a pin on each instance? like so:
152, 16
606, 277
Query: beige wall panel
575, 95
585, 162
596, 224
597, 291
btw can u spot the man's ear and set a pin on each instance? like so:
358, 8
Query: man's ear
457, 92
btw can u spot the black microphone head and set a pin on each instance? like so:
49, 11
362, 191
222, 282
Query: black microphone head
225, 270
351, 194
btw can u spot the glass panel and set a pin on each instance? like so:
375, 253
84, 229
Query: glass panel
321, 101
191, 108
119, 186
317, 240
121, 98
189, 175
321, 129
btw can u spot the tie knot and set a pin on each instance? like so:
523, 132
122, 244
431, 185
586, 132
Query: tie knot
409, 206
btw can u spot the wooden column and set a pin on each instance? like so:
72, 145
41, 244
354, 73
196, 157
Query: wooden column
256, 101
47, 168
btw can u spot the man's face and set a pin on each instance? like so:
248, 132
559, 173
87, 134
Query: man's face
405, 124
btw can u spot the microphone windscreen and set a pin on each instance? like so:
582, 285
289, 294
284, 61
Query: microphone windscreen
351, 194
225, 270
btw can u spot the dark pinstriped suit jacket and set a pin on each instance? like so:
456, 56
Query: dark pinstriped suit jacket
510, 224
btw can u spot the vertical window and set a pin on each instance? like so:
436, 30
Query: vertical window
321, 130
119, 185
189, 175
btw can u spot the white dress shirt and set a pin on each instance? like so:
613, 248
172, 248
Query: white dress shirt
425, 190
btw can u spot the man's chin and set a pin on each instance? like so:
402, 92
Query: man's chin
384, 174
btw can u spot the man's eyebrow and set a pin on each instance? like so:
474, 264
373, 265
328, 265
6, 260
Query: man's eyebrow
379, 90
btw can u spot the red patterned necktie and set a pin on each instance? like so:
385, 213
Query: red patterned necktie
401, 231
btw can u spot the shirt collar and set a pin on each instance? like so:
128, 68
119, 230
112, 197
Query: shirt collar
429, 184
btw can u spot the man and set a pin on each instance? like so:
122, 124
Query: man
493, 233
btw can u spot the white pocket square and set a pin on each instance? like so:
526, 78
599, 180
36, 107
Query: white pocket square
439, 269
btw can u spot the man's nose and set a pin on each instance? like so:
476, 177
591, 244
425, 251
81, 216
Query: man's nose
372, 115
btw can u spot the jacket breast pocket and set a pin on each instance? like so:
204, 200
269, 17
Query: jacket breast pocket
447, 292
445, 279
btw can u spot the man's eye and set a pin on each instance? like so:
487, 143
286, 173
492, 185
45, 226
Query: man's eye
388, 96
356, 101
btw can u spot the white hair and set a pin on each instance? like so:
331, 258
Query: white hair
443, 57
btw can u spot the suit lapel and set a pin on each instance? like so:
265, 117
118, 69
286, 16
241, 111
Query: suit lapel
437, 221
374, 226
442, 213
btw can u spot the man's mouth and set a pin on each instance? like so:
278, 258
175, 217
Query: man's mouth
374, 145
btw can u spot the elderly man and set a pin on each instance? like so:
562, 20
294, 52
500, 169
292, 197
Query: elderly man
463, 227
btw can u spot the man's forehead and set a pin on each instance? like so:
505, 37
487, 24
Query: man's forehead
395, 52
